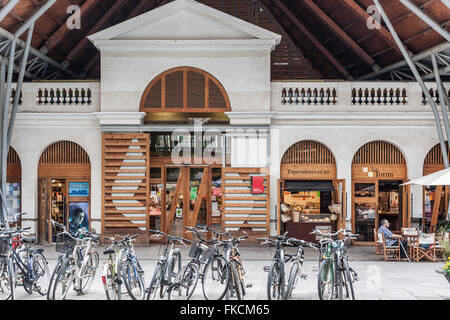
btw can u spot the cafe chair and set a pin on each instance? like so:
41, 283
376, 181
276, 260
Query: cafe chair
378, 242
391, 253
425, 247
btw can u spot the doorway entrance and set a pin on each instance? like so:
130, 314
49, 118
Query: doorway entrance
187, 198
64, 174
378, 170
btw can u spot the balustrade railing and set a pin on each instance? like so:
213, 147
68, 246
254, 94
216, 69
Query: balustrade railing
346, 95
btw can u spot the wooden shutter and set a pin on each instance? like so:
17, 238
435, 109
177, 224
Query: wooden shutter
244, 211
126, 173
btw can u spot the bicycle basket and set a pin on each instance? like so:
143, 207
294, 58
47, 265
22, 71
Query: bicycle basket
200, 251
4, 245
195, 250
64, 243
206, 254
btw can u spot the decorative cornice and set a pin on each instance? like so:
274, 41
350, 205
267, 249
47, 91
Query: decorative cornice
120, 118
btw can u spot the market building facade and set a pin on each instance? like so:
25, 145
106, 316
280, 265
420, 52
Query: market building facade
187, 127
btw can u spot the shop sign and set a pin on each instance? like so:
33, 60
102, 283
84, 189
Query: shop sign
179, 213
193, 193
257, 184
310, 172
79, 189
379, 172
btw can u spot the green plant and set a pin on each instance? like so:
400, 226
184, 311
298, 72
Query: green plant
445, 244
446, 269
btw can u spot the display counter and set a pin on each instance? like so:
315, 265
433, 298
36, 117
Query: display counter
302, 230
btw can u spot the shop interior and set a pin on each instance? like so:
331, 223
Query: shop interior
375, 201
305, 205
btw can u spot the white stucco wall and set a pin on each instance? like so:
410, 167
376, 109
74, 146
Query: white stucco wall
125, 75
33, 133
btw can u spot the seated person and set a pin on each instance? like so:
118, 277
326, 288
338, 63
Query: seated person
384, 229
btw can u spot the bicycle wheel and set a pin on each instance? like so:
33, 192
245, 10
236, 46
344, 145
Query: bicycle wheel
64, 279
172, 270
110, 284
236, 283
87, 275
132, 278
326, 280
215, 279
53, 277
41, 274
275, 283
347, 281
293, 276
5, 279
185, 284
155, 283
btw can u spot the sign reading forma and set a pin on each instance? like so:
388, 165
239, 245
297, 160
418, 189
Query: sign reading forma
391, 171
305, 172
79, 189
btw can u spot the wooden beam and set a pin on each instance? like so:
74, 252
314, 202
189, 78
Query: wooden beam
312, 38
63, 30
118, 5
136, 11
436, 205
364, 16
318, 12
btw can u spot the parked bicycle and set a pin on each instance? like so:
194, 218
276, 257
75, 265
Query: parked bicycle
76, 265
236, 282
168, 266
276, 274
132, 272
335, 275
296, 264
204, 258
122, 267
20, 265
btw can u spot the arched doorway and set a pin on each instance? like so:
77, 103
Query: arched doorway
64, 175
378, 170
309, 187
435, 198
14, 184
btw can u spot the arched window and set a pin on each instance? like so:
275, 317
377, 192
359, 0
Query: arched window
308, 152
185, 89
64, 152
378, 152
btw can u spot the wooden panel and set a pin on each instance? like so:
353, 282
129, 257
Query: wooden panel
308, 152
185, 89
377, 172
125, 184
379, 152
64, 170
308, 160
308, 172
244, 211
434, 160
64, 152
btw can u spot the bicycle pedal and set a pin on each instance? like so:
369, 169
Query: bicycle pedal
266, 268
119, 281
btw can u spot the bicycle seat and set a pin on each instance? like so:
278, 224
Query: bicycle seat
29, 240
108, 251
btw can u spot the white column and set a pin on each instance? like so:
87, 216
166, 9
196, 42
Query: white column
29, 189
